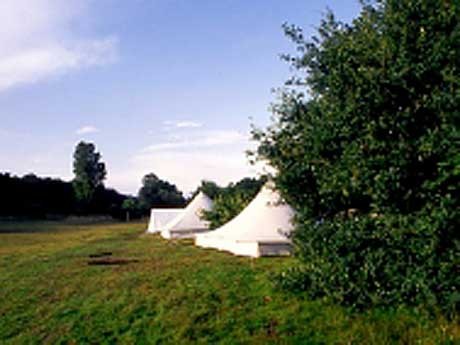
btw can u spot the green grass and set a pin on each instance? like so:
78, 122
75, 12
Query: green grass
174, 293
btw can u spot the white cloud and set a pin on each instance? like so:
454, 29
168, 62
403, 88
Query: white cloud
86, 130
185, 169
185, 160
202, 139
188, 124
37, 41
169, 125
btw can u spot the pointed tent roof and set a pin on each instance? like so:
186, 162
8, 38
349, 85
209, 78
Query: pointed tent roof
189, 221
260, 229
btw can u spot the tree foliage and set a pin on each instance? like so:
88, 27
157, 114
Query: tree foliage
35, 197
210, 188
130, 206
89, 172
156, 192
366, 145
31, 196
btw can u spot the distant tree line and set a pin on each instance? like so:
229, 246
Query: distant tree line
36, 197
31, 196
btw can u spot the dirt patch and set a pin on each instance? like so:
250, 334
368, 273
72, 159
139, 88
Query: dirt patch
100, 255
110, 261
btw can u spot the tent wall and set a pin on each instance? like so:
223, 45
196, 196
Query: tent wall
170, 234
274, 249
252, 249
160, 217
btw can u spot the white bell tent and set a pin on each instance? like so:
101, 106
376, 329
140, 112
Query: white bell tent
159, 217
261, 229
189, 222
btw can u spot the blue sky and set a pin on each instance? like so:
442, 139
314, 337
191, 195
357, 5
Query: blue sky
163, 86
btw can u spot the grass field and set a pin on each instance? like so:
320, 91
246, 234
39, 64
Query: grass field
55, 289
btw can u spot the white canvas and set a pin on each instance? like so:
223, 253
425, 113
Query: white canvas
189, 222
261, 229
159, 217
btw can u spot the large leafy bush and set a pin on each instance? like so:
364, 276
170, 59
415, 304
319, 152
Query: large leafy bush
366, 145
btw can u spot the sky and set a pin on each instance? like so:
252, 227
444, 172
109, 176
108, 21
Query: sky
163, 86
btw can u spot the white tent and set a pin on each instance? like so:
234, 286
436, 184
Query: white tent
159, 217
259, 230
189, 222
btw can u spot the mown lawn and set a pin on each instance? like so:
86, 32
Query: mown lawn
170, 293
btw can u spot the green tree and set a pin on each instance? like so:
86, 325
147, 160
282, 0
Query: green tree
210, 188
366, 145
89, 172
129, 205
158, 193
